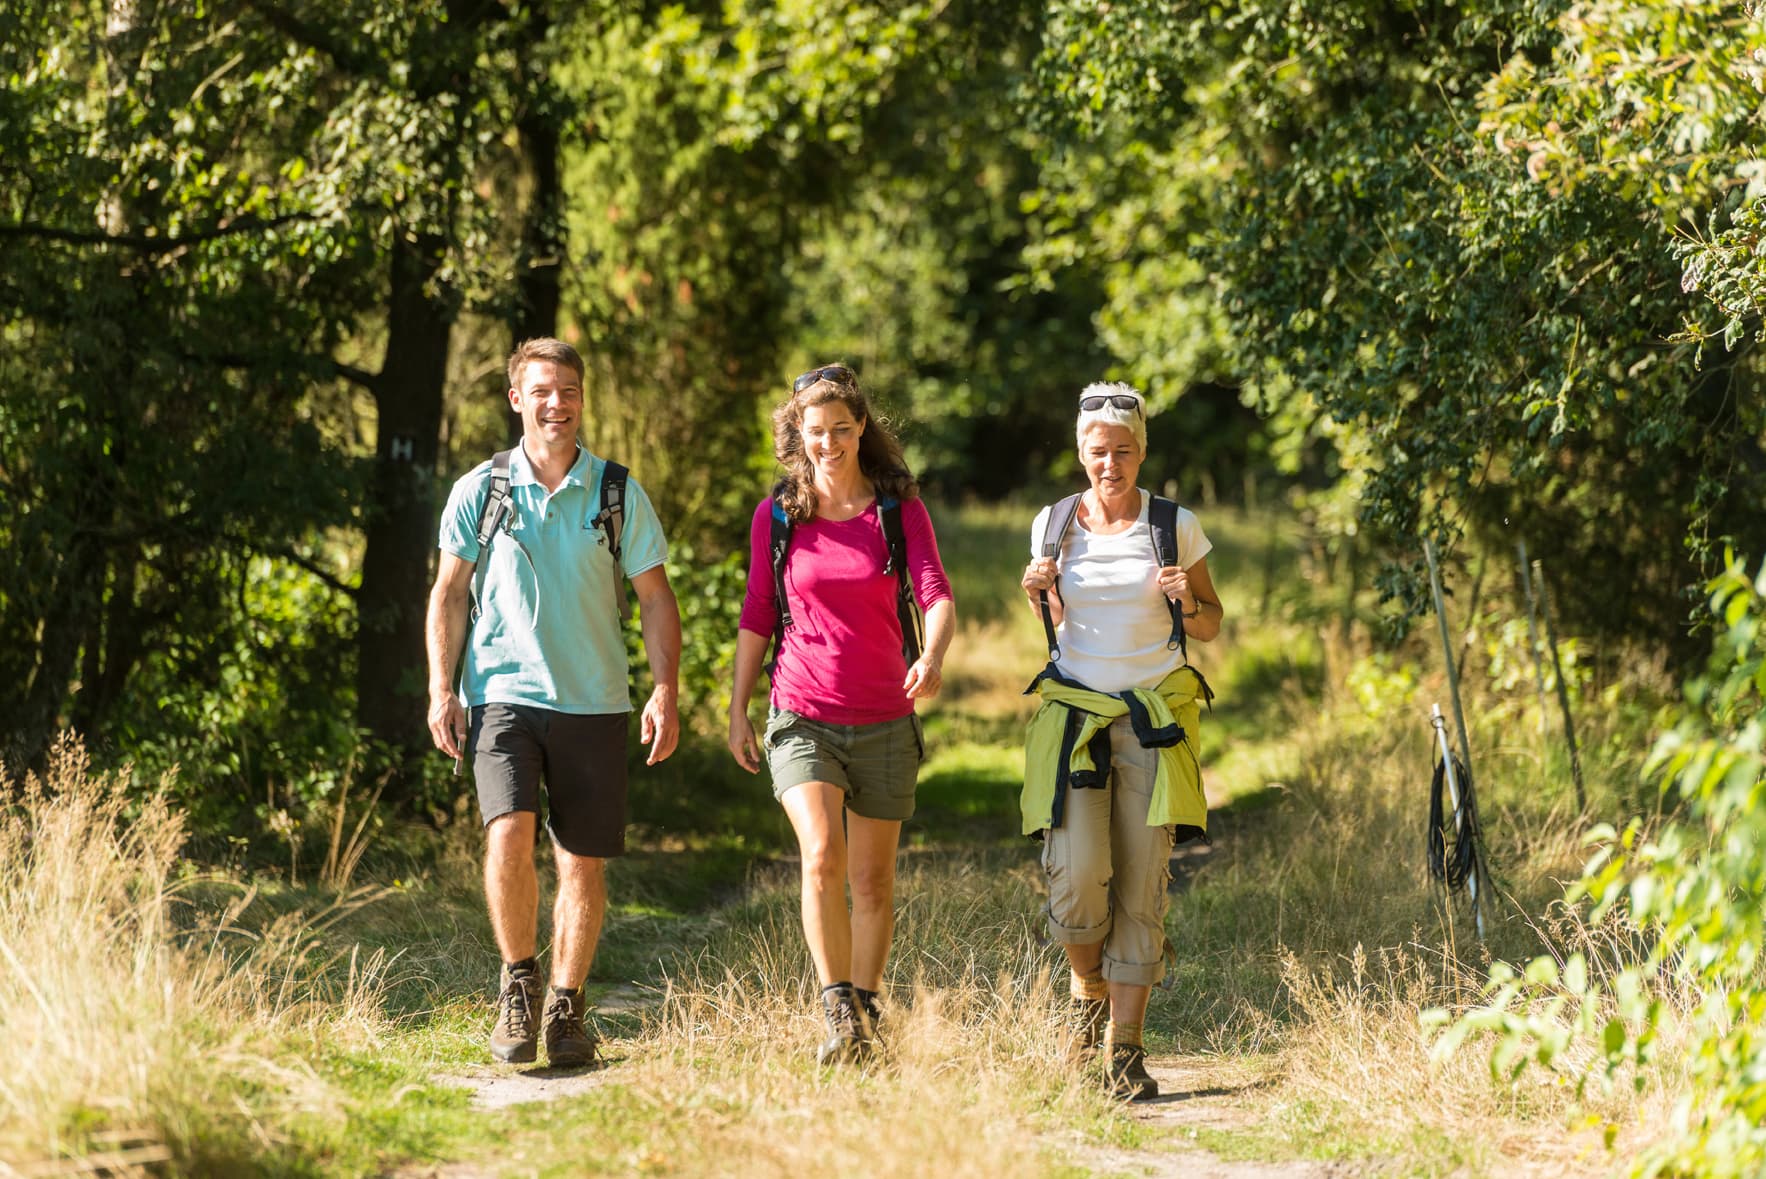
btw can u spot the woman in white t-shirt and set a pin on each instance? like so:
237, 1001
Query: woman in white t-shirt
1111, 768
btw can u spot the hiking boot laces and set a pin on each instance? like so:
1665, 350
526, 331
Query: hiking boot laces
1087, 1022
513, 1037
849, 1030
1128, 1074
568, 1038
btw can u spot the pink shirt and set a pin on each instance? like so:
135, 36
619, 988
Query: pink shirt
841, 662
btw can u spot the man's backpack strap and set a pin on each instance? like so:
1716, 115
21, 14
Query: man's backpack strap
1054, 531
611, 521
907, 611
779, 541
492, 515
1162, 522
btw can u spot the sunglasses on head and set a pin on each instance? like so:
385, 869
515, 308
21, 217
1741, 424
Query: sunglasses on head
1119, 400
838, 373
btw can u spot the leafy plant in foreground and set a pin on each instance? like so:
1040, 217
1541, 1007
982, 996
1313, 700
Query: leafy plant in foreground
1695, 891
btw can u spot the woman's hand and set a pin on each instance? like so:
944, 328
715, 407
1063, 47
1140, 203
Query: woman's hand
1174, 583
743, 747
1039, 575
925, 678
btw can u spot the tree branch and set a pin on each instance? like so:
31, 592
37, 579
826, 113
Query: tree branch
147, 244
318, 39
358, 376
311, 566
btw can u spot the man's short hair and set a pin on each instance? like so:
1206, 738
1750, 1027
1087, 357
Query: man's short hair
543, 348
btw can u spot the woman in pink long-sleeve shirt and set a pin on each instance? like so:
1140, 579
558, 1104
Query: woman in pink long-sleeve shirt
841, 739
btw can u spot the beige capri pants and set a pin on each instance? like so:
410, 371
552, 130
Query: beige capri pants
1108, 870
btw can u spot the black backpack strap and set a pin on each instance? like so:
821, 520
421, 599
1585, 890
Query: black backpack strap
778, 543
907, 610
1162, 522
492, 515
611, 520
1054, 531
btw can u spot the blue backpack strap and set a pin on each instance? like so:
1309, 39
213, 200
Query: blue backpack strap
611, 520
778, 543
907, 610
1054, 532
1162, 523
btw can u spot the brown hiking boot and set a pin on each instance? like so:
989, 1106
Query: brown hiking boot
569, 1041
871, 1007
513, 1039
1127, 1073
1087, 1021
849, 1028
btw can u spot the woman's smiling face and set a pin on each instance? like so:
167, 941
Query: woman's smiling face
830, 437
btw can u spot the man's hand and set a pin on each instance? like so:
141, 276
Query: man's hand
447, 723
660, 726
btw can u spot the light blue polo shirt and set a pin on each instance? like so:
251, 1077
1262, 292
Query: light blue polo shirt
548, 632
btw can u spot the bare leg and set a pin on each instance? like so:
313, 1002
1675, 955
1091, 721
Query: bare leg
1128, 1002
1086, 959
815, 809
511, 887
870, 866
577, 913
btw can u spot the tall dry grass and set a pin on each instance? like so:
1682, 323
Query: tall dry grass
970, 1084
1313, 936
136, 1006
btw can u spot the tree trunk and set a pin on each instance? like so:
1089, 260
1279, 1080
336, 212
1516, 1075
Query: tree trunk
401, 517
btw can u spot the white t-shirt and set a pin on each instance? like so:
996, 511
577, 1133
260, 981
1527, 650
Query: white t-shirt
1117, 623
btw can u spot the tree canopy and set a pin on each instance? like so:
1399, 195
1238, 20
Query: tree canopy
1483, 270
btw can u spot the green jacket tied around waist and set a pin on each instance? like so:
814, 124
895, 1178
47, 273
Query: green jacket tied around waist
1059, 755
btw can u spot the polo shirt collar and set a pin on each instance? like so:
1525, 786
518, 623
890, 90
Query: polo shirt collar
521, 471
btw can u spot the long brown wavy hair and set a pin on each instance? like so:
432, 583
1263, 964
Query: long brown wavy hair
879, 454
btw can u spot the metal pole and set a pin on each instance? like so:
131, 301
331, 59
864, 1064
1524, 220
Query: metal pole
1459, 716
1557, 668
1440, 724
1533, 632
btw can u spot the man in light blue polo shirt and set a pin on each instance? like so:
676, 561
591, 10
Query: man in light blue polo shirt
544, 696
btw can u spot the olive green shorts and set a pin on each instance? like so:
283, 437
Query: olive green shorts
877, 765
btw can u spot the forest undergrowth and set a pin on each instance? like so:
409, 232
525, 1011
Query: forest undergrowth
178, 1017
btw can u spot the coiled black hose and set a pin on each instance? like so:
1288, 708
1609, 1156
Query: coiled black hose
1455, 868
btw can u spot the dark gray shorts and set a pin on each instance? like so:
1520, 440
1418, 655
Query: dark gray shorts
581, 759
877, 765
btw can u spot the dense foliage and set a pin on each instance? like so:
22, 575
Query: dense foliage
1441, 238
1690, 893
1484, 270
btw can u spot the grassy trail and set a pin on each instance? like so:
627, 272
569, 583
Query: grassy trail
312, 1032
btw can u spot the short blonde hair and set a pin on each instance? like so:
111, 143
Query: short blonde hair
1109, 415
544, 348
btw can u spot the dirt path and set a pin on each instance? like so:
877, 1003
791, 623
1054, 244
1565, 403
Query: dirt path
1197, 1094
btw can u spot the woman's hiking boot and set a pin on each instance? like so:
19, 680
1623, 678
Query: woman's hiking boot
1087, 1021
1128, 1075
570, 1042
849, 1030
513, 1038
871, 1004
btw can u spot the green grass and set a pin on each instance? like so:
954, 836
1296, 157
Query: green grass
1307, 938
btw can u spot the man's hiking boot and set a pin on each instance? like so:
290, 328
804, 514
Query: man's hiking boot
513, 1039
849, 1027
569, 1041
1128, 1073
1087, 1021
